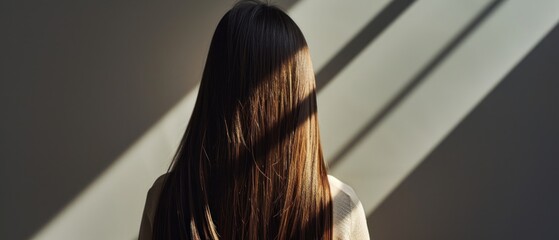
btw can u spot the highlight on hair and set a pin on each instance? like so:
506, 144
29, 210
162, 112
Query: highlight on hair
250, 163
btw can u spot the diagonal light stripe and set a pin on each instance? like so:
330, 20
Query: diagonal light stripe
364, 37
413, 83
402, 140
363, 89
328, 25
111, 206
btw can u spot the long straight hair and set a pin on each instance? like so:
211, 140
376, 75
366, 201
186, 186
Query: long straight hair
250, 164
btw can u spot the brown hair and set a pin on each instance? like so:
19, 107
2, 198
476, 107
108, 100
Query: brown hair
250, 164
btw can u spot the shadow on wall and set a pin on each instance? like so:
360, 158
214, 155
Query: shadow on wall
495, 175
394, 9
80, 82
88, 79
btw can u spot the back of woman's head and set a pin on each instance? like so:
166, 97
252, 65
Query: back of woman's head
250, 164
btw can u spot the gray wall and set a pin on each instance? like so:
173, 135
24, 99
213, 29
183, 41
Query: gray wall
80, 82
495, 176
94, 96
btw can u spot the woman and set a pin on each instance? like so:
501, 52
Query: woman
250, 164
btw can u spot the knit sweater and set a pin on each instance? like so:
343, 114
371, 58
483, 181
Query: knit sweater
348, 214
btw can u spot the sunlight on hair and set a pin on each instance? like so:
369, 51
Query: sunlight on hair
386, 155
110, 207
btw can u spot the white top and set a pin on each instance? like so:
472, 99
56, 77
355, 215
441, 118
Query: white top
349, 217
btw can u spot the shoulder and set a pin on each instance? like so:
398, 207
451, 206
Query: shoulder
152, 199
341, 190
153, 195
158, 183
348, 213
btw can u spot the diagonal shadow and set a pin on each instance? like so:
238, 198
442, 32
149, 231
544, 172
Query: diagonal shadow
289, 122
491, 177
86, 87
420, 77
367, 35
370, 32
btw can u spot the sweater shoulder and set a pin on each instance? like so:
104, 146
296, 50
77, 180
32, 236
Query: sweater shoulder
338, 188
